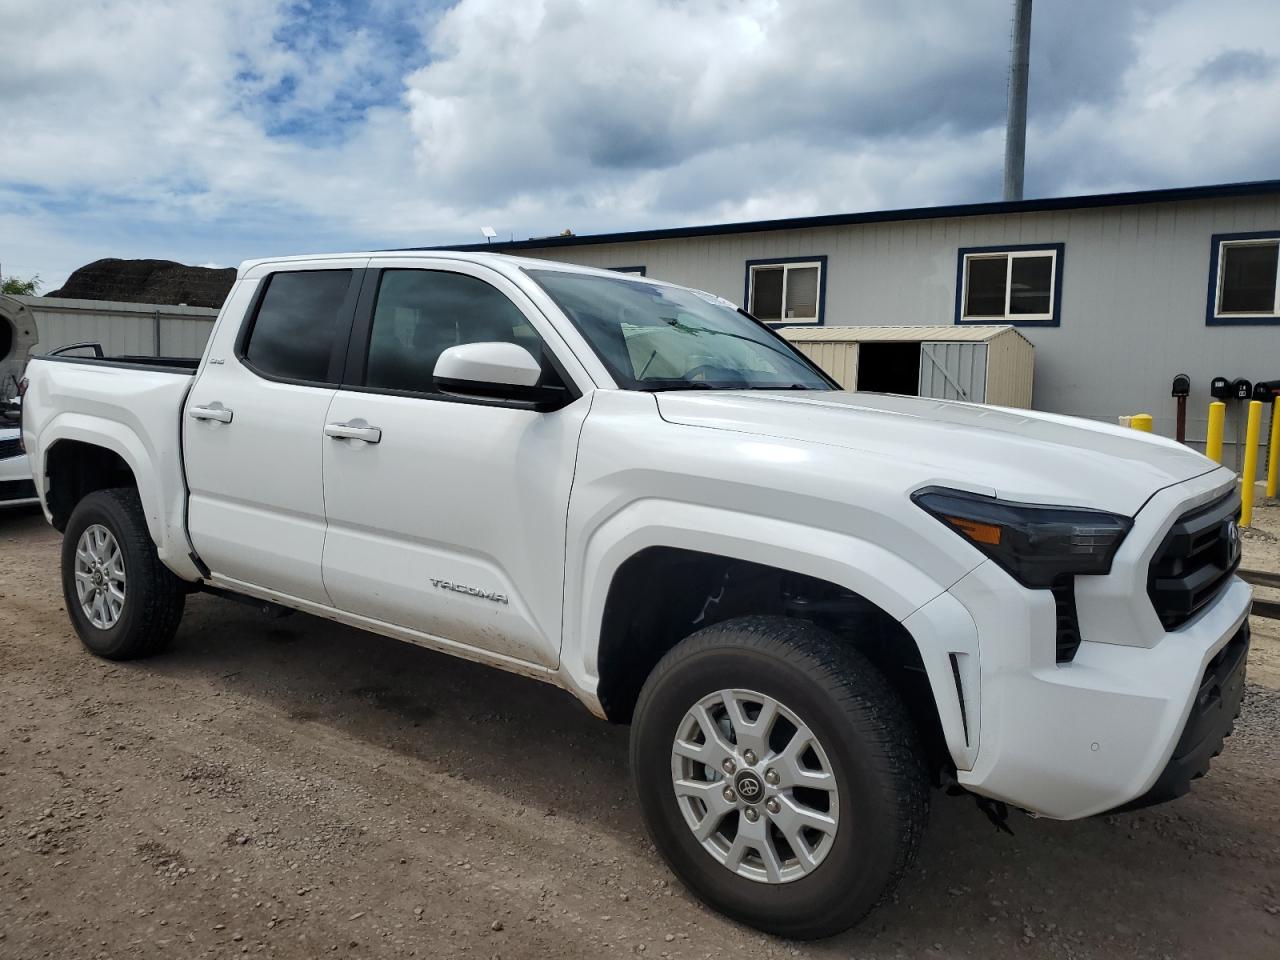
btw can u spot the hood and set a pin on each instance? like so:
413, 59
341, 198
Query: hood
1016, 455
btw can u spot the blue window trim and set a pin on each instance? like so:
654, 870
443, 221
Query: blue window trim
637, 270
821, 260
1211, 319
1055, 320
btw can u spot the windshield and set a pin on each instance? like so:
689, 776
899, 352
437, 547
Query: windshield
656, 337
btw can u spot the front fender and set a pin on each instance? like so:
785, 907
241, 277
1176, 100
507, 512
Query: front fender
858, 565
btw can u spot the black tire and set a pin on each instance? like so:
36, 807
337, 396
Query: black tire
869, 740
154, 597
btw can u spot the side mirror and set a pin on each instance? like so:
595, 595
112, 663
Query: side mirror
496, 371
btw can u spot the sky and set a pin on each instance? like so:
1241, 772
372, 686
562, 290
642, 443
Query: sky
210, 133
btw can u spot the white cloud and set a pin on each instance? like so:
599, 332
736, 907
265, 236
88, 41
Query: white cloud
213, 132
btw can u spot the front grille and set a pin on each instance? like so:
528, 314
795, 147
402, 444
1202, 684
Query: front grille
1068, 633
10, 448
1195, 561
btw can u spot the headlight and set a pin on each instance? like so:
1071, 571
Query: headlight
1038, 546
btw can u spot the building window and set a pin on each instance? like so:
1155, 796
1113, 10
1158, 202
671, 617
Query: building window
1010, 284
638, 271
787, 291
1244, 278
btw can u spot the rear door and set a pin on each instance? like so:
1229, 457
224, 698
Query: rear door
253, 423
448, 517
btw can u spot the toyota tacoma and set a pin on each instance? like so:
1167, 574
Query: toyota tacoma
811, 606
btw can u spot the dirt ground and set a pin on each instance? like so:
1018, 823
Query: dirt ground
292, 788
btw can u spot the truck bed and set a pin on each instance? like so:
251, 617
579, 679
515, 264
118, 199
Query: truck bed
182, 365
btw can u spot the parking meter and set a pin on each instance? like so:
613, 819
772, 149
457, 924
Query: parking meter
1180, 390
1241, 389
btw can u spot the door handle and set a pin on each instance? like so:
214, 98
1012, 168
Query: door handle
215, 412
355, 430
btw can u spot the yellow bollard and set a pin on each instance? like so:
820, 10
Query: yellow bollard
1141, 421
1273, 448
1250, 475
1217, 423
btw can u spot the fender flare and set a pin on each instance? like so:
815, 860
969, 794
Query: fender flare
863, 567
938, 624
163, 498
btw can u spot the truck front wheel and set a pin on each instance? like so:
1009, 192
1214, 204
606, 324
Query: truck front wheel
123, 602
779, 776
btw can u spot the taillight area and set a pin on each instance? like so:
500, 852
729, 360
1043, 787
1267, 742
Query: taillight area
22, 392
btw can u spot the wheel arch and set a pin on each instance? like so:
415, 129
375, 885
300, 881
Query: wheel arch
654, 583
75, 465
79, 454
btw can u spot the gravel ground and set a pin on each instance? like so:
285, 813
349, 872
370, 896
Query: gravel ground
292, 788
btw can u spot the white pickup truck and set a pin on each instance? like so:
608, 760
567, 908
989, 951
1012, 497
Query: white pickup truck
810, 605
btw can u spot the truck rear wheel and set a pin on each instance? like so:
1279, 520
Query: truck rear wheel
123, 602
779, 776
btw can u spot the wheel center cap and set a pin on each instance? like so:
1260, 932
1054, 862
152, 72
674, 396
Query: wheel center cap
749, 786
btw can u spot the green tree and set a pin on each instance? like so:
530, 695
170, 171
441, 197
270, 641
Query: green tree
17, 287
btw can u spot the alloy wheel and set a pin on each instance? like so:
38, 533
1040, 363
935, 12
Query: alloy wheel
100, 576
755, 786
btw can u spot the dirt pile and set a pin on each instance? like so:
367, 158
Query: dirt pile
148, 281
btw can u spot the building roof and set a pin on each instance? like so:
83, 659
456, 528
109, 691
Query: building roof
1090, 201
979, 333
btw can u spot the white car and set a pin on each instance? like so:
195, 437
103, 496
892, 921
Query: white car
16, 487
809, 604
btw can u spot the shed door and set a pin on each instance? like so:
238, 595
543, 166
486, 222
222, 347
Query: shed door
954, 371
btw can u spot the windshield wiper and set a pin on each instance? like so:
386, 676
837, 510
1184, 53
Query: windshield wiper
677, 384
675, 324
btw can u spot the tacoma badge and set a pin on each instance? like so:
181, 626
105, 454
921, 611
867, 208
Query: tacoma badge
470, 591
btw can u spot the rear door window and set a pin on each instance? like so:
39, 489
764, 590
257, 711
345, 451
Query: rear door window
300, 317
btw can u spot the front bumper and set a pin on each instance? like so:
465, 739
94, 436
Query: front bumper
16, 485
1072, 740
1213, 717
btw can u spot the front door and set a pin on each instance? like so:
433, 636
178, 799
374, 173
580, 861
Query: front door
252, 429
446, 517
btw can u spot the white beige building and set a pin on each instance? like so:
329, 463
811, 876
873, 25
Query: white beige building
1119, 293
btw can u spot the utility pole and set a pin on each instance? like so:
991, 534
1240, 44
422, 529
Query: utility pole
1015, 138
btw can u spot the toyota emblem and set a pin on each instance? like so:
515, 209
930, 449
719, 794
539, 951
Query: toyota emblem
749, 786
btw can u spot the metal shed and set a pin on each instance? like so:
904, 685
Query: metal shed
982, 364
36, 325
